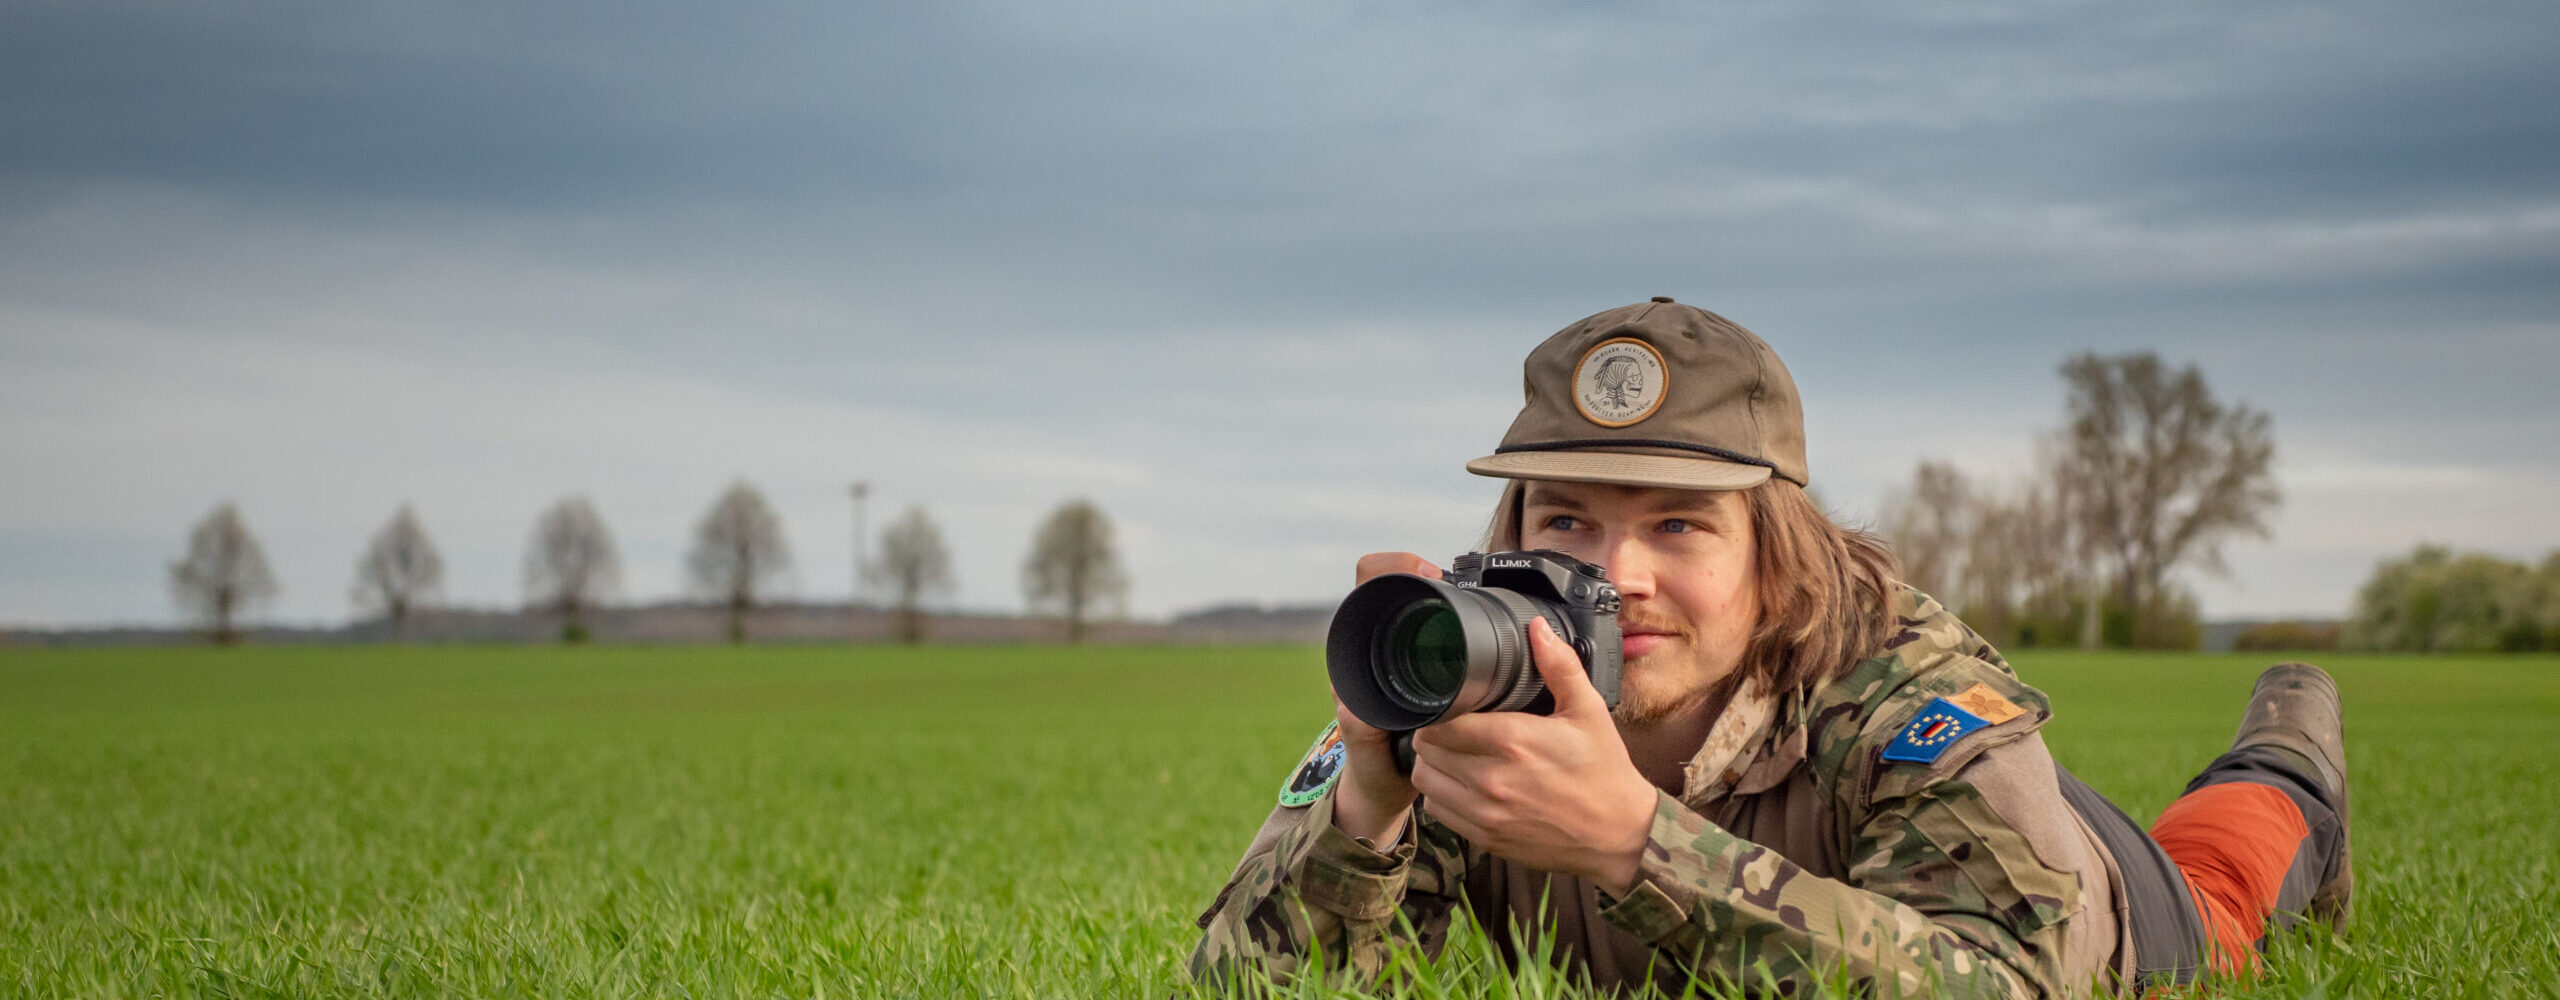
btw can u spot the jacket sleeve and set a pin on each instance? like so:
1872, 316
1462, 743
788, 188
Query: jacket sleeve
1306, 888
1943, 897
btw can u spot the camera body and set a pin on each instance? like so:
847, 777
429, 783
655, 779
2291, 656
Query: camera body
1580, 594
1406, 651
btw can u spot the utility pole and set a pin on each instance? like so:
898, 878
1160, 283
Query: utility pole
861, 564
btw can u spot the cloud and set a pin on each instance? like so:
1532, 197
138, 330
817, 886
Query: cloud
1256, 276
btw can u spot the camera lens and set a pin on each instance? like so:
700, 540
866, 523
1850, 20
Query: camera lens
1422, 656
1406, 651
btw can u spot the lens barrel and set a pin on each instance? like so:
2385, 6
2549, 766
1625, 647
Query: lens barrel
1406, 651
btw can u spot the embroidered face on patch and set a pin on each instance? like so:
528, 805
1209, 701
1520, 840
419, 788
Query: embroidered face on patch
1619, 382
1316, 773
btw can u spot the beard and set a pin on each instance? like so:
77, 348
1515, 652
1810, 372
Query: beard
1643, 704
1669, 682
1645, 695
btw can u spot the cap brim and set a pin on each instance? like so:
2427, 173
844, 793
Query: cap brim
1621, 469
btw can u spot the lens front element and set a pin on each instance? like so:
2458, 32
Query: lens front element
1422, 656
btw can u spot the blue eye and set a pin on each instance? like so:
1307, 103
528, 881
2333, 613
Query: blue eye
1677, 526
1560, 522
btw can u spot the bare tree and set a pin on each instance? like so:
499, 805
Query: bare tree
399, 573
1930, 524
570, 565
1074, 568
738, 554
2043, 548
1988, 582
914, 565
2162, 472
223, 576
2017, 564
2079, 491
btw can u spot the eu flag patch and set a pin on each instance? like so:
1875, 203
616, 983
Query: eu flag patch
1932, 732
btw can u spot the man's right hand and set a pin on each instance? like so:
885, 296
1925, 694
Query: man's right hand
1371, 799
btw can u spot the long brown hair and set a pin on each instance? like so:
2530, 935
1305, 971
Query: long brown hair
1824, 589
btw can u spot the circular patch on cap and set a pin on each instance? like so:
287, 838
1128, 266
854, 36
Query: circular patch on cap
1619, 382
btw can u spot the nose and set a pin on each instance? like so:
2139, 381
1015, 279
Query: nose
1629, 565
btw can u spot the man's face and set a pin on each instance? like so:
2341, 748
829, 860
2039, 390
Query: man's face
1681, 560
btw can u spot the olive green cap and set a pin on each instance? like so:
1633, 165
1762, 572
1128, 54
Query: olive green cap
1654, 394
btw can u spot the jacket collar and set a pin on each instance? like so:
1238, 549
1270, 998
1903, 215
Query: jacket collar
1755, 742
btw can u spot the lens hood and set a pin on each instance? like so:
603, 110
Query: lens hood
1380, 684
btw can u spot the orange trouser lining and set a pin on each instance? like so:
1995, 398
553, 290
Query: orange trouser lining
2234, 843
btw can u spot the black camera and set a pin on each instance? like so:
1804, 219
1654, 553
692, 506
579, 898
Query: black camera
1406, 651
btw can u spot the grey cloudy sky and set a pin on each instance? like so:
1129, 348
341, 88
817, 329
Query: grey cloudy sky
1255, 277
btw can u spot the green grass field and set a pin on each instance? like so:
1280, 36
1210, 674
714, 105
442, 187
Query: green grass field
996, 822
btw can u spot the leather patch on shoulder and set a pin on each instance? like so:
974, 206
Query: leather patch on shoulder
1987, 704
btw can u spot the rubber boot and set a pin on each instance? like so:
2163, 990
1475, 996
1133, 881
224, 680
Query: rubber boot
2295, 708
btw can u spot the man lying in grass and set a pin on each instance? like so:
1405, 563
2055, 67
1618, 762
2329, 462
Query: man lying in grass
1812, 773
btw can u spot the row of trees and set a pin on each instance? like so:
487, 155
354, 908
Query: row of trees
739, 559
2433, 601
2149, 475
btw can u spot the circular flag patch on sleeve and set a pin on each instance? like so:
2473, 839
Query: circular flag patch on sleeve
1315, 774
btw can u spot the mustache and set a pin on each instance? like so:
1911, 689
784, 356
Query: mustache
1629, 622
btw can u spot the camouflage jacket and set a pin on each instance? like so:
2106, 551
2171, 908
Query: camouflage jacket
1860, 834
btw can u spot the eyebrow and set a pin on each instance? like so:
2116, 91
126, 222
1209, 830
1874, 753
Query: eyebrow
1672, 502
1531, 499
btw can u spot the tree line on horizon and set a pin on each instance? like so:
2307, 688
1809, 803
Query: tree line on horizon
2435, 601
2149, 474
739, 560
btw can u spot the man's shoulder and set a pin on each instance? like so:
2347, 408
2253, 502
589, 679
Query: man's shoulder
1931, 665
1927, 653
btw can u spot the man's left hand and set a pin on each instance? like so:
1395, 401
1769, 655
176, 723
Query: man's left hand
1554, 792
